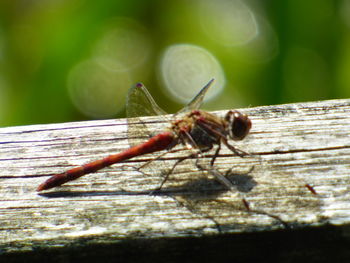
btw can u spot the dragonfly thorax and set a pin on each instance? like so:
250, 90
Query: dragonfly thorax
198, 129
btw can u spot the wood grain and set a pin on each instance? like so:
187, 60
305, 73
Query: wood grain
289, 146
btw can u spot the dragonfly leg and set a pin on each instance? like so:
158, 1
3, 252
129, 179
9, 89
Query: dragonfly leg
196, 155
172, 168
260, 212
238, 152
158, 157
214, 130
216, 154
186, 139
150, 161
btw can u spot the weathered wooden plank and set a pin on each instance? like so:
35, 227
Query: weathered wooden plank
290, 146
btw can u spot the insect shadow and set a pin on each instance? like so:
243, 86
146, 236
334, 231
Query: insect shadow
204, 196
208, 187
193, 195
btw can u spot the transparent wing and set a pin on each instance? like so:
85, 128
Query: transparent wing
197, 101
268, 194
140, 103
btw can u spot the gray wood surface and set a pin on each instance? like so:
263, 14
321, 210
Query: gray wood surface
289, 145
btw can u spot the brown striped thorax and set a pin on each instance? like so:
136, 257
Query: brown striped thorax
202, 129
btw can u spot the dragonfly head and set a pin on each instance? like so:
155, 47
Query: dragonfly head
238, 125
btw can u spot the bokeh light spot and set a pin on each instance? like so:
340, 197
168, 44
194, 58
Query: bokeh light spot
96, 90
186, 68
230, 22
125, 41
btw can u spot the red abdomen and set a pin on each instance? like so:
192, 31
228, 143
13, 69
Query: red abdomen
157, 143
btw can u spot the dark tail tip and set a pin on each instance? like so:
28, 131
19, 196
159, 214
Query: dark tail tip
53, 181
42, 187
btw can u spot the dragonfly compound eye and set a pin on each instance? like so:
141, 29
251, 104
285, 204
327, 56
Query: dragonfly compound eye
238, 125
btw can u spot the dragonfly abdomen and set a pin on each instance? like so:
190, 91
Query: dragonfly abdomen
158, 142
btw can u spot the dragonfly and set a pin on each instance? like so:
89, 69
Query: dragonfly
195, 129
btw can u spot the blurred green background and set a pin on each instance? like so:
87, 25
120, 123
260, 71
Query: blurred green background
70, 60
